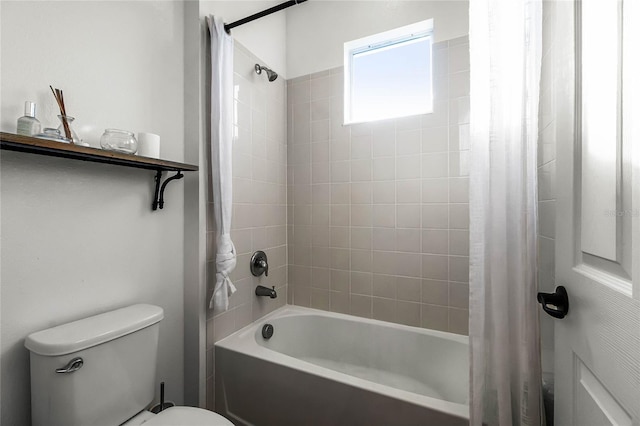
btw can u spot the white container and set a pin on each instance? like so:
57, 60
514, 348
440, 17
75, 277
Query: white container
149, 145
117, 378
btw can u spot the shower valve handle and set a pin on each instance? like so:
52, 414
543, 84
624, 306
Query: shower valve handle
259, 264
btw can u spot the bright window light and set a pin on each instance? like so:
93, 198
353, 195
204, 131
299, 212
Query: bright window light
389, 75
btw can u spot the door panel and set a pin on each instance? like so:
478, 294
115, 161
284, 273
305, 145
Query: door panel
594, 404
600, 30
597, 345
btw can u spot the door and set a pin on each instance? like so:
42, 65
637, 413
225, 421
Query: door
597, 345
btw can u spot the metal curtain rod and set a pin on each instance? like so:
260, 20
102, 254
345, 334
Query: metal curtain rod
228, 27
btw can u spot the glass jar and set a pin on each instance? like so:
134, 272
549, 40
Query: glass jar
75, 139
119, 140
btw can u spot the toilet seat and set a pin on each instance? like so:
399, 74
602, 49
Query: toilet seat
187, 416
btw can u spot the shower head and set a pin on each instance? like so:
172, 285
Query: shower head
271, 74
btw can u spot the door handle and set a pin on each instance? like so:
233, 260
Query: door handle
555, 304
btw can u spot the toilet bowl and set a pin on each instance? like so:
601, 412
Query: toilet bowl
102, 370
182, 416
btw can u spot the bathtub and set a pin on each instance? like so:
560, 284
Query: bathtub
323, 368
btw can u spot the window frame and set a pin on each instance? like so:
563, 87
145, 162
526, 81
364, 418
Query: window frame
398, 36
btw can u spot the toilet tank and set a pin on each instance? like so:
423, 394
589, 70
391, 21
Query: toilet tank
115, 379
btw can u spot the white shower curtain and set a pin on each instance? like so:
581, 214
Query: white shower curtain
221, 159
505, 49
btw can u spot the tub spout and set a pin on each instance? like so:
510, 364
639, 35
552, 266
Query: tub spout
266, 291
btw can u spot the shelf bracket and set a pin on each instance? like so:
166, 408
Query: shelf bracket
158, 198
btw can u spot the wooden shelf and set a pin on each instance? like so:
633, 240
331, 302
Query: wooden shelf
28, 144
33, 145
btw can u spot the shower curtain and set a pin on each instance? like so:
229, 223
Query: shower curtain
221, 159
505, 49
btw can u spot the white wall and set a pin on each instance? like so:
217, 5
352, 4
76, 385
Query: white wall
317, 30
80, 238
195, 287
264, 37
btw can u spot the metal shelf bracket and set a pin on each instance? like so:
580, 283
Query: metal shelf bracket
158, 198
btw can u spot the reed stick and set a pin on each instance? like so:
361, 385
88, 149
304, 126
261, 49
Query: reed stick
57, 93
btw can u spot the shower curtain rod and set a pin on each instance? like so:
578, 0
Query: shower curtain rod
228, 27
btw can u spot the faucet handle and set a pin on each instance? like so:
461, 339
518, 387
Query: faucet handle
259, 264
264, 265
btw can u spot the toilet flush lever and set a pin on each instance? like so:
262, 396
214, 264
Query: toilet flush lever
73, 365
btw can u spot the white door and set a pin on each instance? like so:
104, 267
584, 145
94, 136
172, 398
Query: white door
597, 345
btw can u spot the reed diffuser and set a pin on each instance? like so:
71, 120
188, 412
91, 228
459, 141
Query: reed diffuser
57, 93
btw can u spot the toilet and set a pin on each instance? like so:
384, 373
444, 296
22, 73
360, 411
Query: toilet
101, 370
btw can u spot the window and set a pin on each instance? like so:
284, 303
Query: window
388, 75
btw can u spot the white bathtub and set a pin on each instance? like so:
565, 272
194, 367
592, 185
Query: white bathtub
322, 368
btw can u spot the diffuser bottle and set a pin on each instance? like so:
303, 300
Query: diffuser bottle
29, 124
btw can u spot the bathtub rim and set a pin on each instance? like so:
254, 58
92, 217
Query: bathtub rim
243, 342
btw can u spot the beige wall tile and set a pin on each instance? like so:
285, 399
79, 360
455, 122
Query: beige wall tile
436, 139
340, 193
408, 216
408, 142
459, 268
435, 292
459, 190
408, 313
361, 170
340, 236
384, 286
361, 193
361, 306
384, 215
384, 309
408, 167
408, 240
459, 216
384, 192
435, 317
340, 215
409, 289
435, 241
435, 267
340, 259
459, 242
384, 168
340, 302
435, 190
459, 295
320, 299
361, 238
435, 216
361, 147
361, 215
435, 165
361, 260
361, 283
408, 191
459, 321
340, 281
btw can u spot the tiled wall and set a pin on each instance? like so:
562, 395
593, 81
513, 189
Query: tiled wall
259, 203
378, 212
547, 178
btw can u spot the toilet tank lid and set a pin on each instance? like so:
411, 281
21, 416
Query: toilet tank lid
85, 333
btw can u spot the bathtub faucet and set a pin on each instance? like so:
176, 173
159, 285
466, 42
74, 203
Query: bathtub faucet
266, 291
